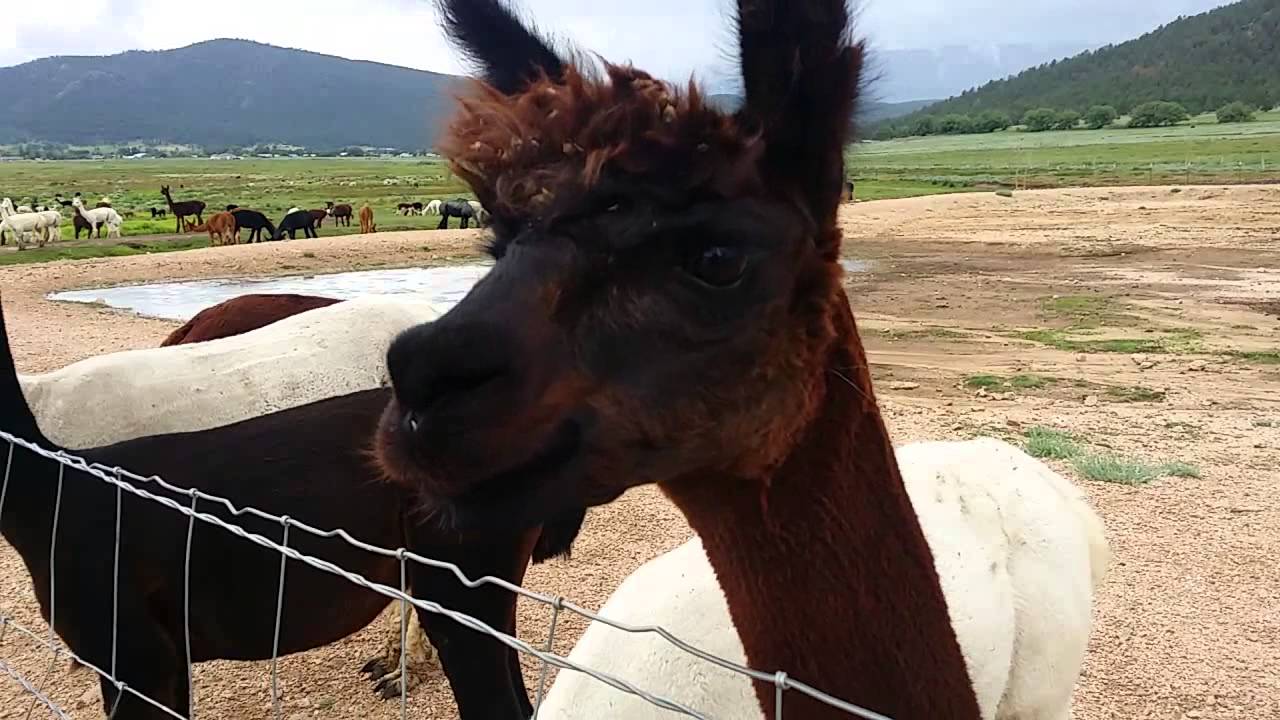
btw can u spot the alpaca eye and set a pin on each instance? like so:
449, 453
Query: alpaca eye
719, 266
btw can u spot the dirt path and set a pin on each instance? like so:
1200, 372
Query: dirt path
1025, 290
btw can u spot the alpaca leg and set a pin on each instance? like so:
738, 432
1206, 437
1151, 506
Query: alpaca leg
444, 222
421, 661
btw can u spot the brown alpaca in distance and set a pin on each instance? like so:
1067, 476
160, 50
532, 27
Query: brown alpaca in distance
341, 213
318, 216
366, 220
221, 228
674, 314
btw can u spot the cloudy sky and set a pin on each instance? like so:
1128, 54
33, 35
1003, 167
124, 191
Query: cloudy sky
669, 37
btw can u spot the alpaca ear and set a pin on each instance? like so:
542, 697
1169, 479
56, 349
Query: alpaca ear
510, 53
802, 75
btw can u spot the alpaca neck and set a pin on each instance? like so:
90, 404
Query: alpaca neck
826, 571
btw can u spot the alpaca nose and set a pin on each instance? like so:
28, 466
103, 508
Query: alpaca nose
444, 366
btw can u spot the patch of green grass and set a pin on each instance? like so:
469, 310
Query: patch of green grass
1260, 357
1043, 442
1178, 468
1178, 341
913, 333
1107, 467
50, 253
1134, 394
1085, 311
1017, 382
1030, 382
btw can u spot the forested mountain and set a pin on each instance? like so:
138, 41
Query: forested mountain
1203, 62
222, 92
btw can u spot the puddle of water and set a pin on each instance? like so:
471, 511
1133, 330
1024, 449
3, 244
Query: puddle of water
181, 300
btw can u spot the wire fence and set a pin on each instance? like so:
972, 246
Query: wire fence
125, 481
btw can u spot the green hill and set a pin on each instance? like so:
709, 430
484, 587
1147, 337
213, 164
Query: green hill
222, 92
1203, 62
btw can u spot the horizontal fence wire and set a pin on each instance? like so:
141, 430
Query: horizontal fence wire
124, 480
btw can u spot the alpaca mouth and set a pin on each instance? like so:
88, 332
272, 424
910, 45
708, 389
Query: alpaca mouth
523, 493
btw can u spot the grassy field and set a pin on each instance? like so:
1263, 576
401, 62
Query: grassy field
1200, 151
269, 185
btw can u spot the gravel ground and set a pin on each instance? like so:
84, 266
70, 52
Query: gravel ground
1188, 621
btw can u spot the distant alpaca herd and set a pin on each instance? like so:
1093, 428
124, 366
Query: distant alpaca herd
40, 223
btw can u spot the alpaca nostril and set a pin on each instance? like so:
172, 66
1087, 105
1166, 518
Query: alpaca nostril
410, 422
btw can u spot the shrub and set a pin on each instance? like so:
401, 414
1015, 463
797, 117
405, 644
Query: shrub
1066, 120
1040, 119
955, 125
990, 121
924, 125
1100, 116
1157, 114
1235, 112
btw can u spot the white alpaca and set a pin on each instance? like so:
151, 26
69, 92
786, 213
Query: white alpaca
53, 225
432, 208
317, 354
21, 224
482, 215
1019, 553
99, 216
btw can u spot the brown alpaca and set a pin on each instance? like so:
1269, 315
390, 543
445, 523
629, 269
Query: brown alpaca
366, 221
341, 213
242, 314
222, 229
675, 315
319, 216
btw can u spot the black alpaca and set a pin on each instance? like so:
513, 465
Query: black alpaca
458, 208
255, 222
157, 212
297, 220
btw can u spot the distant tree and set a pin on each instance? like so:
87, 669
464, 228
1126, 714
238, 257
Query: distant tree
990, 121
955, 124
1040, 119
1235, 112
924, 125
1100, 116
1066, 120
1157, 113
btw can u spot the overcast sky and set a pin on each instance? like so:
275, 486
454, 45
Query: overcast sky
668, 37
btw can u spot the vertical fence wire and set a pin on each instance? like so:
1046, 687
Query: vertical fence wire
115, 586
551, 638
186, 609
38, 696
404, 639
275, 640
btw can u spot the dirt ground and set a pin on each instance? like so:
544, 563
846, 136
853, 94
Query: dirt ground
1185, 284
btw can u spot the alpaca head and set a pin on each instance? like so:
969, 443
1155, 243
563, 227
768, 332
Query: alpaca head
666, 278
